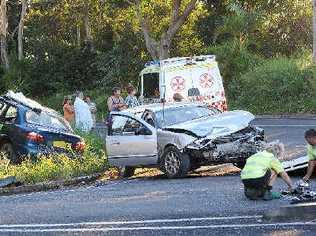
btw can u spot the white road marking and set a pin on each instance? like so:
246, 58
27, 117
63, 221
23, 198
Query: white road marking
129, 222
286, 125
193, 227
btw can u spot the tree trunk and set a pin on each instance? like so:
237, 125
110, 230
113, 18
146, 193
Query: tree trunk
20, 30
4, 53
3, 34
314, 31
78, 36
161, 50
164, 48
87, 28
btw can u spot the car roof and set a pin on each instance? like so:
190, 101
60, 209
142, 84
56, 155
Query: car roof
18, 99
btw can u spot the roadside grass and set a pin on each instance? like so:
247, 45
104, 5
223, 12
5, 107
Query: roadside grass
58, 166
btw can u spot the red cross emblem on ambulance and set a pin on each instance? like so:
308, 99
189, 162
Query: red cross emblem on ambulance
177, 84
206, 81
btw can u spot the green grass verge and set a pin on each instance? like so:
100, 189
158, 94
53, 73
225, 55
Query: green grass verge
58, 166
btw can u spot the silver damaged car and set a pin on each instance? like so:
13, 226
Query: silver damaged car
179, 138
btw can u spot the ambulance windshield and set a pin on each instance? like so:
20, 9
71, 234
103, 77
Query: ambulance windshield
151, 85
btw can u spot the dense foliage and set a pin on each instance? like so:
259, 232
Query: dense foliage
255, 42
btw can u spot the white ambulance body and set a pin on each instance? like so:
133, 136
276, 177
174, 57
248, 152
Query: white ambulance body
194, 78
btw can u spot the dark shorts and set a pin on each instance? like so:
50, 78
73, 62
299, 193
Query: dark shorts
255, 188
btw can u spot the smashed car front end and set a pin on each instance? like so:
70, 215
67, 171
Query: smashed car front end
227, 137
231, 148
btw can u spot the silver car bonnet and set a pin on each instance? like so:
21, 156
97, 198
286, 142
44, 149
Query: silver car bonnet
218, 125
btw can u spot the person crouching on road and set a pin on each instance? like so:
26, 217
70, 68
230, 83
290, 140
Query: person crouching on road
261, 171
310, 137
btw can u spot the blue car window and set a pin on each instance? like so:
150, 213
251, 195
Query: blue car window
11, 112
47, 120
3, 108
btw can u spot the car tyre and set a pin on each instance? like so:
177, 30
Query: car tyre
174, 163
8, 150
127, 171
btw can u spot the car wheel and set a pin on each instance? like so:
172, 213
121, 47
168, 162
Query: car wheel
174, 163
7, 149
127, 171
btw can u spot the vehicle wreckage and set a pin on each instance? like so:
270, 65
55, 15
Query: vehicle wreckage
180, 137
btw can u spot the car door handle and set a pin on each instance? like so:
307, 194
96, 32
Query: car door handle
115, 143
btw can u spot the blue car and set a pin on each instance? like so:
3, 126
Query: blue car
28, 129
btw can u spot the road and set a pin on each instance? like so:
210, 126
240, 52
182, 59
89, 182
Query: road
157, 206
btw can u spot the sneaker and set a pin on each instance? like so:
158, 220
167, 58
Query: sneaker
276, 195
252, 194
267, 196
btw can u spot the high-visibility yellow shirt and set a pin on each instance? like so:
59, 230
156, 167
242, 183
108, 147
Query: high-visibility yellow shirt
311, 152
258, 164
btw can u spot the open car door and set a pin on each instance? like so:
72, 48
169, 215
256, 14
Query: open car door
131, 141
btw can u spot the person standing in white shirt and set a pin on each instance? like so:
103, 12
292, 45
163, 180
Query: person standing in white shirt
83, 115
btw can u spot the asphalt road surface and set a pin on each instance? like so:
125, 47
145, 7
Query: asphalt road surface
158, 206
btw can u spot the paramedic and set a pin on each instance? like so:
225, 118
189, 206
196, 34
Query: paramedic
310, 137
261, 171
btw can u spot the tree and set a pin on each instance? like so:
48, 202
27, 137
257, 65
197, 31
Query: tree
4, 33
20, 29
314, 31
160, 49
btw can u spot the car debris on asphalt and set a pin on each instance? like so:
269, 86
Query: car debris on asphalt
302, 193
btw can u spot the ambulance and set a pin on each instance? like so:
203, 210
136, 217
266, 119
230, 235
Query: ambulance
196, 79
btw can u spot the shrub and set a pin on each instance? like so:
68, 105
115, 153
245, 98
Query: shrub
58, 166
277, 85
234, 59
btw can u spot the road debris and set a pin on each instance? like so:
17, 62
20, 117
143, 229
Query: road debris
7, 181
302, 193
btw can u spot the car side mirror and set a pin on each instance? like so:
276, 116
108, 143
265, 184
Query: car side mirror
143, 131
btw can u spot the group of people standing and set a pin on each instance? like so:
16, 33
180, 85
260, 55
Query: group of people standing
116, 102
81, 113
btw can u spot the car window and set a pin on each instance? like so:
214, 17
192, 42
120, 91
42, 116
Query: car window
178, 115
117, 124
47, 120
131, 126
10, 115
149, 118
11, 112
122, 125
3, 108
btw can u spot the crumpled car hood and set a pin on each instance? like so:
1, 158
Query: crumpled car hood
215, 126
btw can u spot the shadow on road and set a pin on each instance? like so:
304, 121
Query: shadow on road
205, 171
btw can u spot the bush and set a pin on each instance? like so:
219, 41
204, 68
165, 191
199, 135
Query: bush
234, 59
58, 166
277, 85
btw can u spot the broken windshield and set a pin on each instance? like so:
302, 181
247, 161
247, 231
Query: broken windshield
178, 115
48, 120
